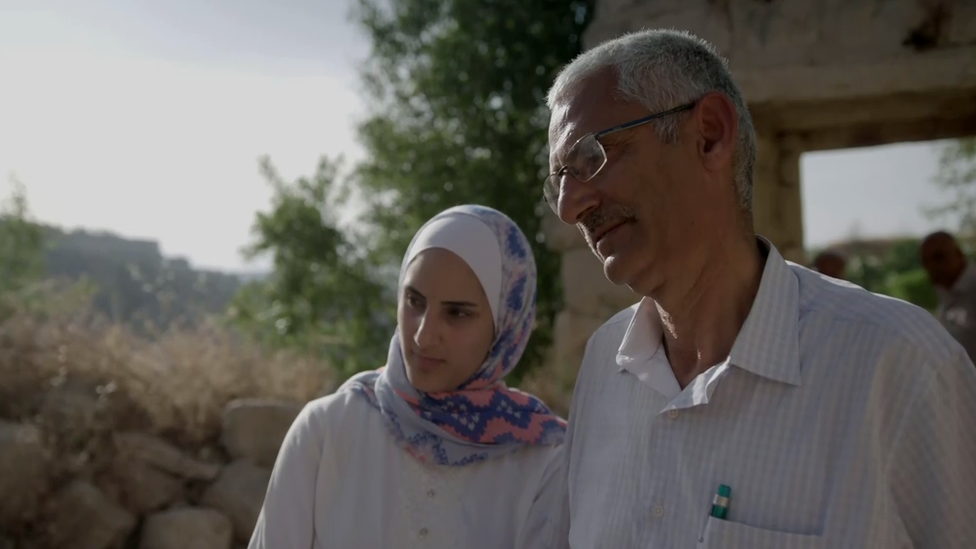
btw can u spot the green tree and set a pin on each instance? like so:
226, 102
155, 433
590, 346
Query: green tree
322, 295
457, 91
912, 286
21, 242
957, 176
905, 278
894, 269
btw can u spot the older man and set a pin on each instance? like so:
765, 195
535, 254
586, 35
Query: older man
745, 402
954, 278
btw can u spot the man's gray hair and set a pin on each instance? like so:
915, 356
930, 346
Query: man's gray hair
662, 69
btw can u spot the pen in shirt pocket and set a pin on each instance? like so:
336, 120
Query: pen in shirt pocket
719, 509
720, 503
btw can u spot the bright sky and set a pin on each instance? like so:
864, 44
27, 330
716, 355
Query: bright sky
147, 119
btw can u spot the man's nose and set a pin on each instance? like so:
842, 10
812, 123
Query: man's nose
575, 199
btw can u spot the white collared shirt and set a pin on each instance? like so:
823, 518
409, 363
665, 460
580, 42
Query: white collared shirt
840, 419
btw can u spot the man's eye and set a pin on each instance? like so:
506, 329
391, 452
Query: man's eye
572, 156
569, 170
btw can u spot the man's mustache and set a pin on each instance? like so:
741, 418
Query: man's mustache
610, 215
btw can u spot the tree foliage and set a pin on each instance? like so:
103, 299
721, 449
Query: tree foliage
894, 270
21, 242
322, 294
457, 90
957, 176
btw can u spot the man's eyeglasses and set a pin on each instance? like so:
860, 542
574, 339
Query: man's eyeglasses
587, 156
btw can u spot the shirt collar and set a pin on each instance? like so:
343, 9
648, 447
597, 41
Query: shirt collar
643, 336
767, 345
642, 354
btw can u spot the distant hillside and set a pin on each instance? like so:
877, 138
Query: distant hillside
134, 281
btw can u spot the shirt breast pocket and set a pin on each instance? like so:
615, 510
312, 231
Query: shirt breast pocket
724, 534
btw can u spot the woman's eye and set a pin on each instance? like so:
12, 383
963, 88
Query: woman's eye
413, 302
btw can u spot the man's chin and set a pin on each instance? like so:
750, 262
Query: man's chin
615, 270
615, 267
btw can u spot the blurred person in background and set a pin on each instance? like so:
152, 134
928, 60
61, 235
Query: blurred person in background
954, 277
432, 450
831, 263
744, 402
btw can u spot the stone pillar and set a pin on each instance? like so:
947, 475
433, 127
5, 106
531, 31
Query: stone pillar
589, 300
777, 201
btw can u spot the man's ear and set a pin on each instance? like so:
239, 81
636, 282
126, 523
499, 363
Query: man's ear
717, 123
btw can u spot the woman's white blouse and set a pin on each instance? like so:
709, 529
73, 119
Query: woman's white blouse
341, 482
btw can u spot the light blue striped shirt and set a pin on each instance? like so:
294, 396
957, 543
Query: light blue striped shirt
840, 419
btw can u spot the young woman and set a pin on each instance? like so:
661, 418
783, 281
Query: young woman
432, 450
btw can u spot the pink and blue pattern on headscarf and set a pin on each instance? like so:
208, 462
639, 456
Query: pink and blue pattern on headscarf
483, 417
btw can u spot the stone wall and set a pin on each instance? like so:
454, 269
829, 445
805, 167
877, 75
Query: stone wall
590, 299
818, 74
151, 495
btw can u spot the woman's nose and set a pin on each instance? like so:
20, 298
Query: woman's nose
427, 331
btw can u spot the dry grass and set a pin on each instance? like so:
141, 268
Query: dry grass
176, 384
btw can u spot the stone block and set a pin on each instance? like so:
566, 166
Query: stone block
81, 517
592, 294
164, 456
614, 18
560, 237
253, 429
142, 488
239, 493
571, 332
801, 50
187, 528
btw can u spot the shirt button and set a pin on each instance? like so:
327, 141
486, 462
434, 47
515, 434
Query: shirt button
431, 493
673, 414
657, 511
423, 532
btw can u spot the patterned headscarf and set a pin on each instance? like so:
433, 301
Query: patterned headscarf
483, 417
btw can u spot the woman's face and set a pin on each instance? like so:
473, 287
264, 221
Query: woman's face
446, 327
